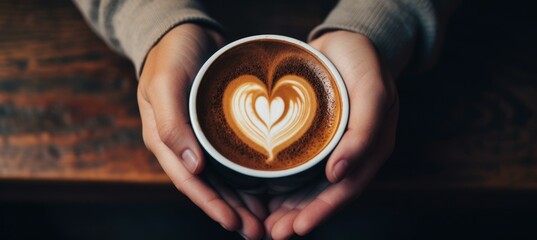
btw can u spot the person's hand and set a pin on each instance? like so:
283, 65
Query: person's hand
366, 144
165, 81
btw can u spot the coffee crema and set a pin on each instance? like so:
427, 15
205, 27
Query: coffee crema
268, 105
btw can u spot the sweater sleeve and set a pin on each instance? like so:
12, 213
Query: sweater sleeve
132, 27
396, 27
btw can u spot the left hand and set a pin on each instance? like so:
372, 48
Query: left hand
366, 144
163, 89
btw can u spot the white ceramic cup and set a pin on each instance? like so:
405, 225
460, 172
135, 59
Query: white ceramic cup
272, 181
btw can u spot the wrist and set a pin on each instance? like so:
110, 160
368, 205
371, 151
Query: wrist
326, 40
197, 40
351, 51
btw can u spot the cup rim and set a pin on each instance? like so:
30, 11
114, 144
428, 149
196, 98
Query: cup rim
268, 173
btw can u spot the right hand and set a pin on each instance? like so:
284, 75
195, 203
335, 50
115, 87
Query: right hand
165, 81
368, 140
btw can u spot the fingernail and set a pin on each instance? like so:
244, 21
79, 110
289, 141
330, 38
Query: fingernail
189, 160
340, 169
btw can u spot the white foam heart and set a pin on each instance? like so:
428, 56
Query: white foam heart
269, 121
269, 112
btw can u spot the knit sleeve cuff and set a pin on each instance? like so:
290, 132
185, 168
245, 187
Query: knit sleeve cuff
394, 27
147, 22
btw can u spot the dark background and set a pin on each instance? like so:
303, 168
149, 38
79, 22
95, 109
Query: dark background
72, 164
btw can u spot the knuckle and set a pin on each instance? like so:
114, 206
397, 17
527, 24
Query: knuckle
169, 133
155, 83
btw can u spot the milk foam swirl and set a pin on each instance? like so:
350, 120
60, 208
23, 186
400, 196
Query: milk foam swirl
269, 118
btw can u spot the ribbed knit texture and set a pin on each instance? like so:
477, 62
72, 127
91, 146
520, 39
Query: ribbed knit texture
394, 27
133, 27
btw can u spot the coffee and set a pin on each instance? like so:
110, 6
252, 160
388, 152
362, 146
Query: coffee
268, 105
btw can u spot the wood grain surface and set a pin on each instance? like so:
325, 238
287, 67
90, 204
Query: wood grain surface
67, 103
68, 109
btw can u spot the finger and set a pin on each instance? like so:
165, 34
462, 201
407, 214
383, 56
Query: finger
334, 197
251, 227
202, 195
276, 212
274, 217
286, 205
283, 228
290, 202
195, 189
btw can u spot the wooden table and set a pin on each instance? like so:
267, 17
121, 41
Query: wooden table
70, 127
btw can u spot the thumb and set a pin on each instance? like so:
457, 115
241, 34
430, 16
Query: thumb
164, 114
173, 125
370, 96
369, 104
370, 133
352, 148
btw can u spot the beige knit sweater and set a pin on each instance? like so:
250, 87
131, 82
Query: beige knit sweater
398, 28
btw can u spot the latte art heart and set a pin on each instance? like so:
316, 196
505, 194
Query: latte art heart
269, 119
